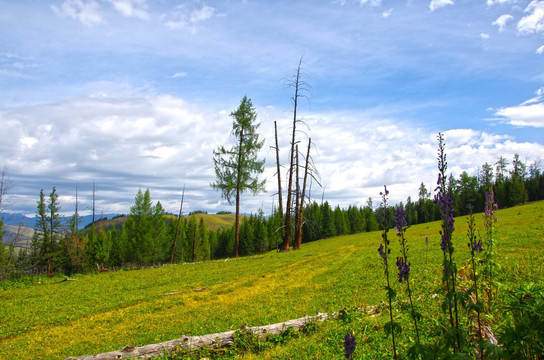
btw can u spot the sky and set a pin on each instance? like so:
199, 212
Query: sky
137, 94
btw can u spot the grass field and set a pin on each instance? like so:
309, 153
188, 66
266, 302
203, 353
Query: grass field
104, 312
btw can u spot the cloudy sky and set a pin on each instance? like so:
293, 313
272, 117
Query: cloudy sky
137, 94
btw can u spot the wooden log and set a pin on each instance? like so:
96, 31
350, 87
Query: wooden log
193, 343
172, 293
214, 341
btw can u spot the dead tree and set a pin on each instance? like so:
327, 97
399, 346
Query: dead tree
300, 87
94, 200
297, 197
301, 206
280, 199
177, 227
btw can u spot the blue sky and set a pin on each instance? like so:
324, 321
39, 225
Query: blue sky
137, 94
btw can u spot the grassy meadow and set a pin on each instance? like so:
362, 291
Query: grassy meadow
106, 311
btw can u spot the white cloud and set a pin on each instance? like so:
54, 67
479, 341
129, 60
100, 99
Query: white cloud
371, 2
121, 143
437, 4
86, 12
534, 22
131, 8
528, 114
161, 142
484, 36
387, 13
202, 14
501, 2
540, 50
502, 20
179, 74
188, 18
13, 74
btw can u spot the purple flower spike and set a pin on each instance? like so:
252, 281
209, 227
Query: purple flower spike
446, 210
404, 269
382, 253
400, 220
477, 246
349, 344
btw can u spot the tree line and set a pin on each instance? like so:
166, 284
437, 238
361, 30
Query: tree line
147, 235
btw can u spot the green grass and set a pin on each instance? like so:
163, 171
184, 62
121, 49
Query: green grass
215, 222
105, 312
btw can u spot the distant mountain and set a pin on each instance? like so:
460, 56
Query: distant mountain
17, 219
29, 221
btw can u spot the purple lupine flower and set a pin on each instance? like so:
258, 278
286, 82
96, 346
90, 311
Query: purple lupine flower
427, 240
349, 344
400, 220
477, 246
404, 269
446, 210
382, 253
385, 191
490, 207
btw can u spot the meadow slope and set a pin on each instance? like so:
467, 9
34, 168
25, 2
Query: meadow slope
104, 312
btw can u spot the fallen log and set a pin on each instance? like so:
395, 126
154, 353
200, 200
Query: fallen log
172, 293
214, 341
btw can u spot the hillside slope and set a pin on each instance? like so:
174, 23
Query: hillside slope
22, 235
104, 312
213, 221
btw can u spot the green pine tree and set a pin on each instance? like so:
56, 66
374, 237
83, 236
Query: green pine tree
237, 168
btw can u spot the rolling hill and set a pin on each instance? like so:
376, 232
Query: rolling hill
53, 319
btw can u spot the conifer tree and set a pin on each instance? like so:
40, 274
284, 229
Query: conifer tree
137, 231
158, 234
40, 240
54, 227
237, 168
203, 245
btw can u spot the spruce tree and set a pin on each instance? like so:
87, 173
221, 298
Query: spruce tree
54, 228
237, 169
137, 230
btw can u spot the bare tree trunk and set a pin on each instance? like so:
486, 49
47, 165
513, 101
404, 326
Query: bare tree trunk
237, 224
280, 200
75, 236
238, 179
94, 200
297, 200
5, 185
291, 163
177, 226
50, 259
301, 206
76, 214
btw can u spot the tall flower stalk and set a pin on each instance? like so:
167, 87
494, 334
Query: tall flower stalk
445, 202
489, 262
402, 262
391, 327
475, 246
